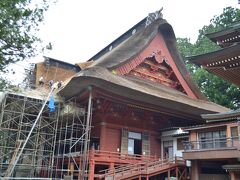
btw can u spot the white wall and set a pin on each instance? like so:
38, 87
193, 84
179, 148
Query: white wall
175, 151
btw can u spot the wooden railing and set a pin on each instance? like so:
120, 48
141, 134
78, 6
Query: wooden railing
206, 144
96, 154
148, 168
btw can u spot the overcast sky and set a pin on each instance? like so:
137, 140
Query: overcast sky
79, 29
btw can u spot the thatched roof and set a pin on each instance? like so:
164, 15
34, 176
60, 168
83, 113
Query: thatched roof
84, 65
99, 74
159, 95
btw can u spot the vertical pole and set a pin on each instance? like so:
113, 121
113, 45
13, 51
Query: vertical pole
177, 173
54, 144
80, 172
195, 170
103, 136
91, 169
86, 141
111, 166
168, 174
232, 175
3, 135
238, 125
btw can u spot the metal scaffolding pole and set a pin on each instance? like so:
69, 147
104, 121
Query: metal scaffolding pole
87, 139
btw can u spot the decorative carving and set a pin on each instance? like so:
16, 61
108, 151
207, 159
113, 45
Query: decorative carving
156, 69
153, 16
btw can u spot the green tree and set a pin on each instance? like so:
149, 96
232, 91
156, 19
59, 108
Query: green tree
215, 88
19, 22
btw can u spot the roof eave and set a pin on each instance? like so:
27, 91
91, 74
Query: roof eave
79, 83
211, 56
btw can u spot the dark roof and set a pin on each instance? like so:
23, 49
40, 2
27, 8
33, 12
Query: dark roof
59, 63
205, 126
227, 36
232, 167
129, 48
224, 63
120, 39
217, 117
215, 56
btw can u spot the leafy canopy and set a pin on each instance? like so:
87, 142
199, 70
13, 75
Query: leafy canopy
215, 88
19, 20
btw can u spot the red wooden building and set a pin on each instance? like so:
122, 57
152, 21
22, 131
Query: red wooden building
137, 90
214, 147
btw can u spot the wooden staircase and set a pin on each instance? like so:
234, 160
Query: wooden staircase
173, 167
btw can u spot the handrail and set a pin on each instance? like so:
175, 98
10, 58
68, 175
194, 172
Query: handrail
141, 167
216, 143
118, 155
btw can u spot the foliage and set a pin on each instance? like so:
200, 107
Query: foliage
215, 88
5, 84
19, 21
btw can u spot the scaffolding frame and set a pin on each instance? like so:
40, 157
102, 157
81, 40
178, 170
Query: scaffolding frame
18, 113
73, 139
58, 147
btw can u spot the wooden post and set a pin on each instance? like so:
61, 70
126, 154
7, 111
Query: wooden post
103, 136
111, 166
195, 170
168, 174
232, 175
91, 170
177, 173
238, 127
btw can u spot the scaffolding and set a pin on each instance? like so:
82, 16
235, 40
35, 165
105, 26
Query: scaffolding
58, 146
72, 143
18, 113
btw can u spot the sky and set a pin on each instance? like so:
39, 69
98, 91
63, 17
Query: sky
79, 29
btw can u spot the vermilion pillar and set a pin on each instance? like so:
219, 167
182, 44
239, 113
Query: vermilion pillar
195, 170
91, 170
103, 136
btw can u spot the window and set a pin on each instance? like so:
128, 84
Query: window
215, 139
234, 136
134, 135
234, 131
180, 143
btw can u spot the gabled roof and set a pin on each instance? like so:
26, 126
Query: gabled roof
132, 46
226, 37
100, 74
